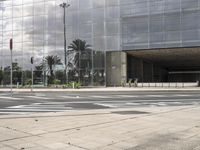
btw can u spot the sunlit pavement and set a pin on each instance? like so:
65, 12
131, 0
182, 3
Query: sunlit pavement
100, 121
166, 128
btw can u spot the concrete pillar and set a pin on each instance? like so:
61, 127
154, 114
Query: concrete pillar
141, 70
116, 68
152, 73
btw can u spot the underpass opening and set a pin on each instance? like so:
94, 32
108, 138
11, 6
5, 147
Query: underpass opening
164, 65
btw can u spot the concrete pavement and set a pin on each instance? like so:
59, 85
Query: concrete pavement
148, 128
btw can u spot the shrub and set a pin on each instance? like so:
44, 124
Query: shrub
76, 85
56, 82
28, 82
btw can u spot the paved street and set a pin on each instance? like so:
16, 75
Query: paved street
21, 103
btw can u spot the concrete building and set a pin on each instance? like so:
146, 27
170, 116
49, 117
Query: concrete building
115, 40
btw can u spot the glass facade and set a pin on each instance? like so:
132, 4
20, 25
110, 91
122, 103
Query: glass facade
148, 24
92, 28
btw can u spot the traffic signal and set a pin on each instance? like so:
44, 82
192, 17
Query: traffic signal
31, 60
11, 44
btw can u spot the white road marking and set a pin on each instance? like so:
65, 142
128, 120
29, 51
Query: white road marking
103, 97
40, 94
182, 95
9, 112
37, 97
33, 110
127, 96
74, 97
134, 104
5, 97
19, 106
106, 105
155, 95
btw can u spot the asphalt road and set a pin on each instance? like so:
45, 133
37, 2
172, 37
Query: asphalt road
22, 103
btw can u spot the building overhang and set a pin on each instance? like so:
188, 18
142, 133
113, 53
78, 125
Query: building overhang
173, 58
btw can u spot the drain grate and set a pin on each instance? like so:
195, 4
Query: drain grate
130, 112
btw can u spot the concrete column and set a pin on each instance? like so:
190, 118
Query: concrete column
116, 68
141, 70
152, 73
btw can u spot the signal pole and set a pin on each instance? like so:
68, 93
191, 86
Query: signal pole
32, 60
11, 67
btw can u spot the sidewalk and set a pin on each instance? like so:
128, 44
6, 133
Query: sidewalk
149, 128
104, 89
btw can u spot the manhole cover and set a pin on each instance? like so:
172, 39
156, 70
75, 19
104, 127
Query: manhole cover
129, 112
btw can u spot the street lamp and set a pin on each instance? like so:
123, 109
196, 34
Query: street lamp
64, 6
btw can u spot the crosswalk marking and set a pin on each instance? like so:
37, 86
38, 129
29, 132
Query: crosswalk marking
182, 95
38, 97
127, 96
44, 97
106, 105
103, 97
66, 106
155, 95
19, 106
73, 97
6, 97
33, 110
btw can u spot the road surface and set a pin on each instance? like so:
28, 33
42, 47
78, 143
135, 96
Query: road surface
22, 103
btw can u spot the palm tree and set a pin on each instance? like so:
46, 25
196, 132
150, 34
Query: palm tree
51, 61
80, 49
80, 53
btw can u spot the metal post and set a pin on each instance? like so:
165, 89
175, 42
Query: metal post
32, 79
11, 74
65, 46
32, 73
64, 6
11, 67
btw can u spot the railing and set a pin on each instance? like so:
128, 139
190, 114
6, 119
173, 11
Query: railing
165, 84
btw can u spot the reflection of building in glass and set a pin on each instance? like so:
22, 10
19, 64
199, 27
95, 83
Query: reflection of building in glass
108, 27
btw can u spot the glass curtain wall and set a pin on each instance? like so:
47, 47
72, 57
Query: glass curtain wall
36, 26
148, 24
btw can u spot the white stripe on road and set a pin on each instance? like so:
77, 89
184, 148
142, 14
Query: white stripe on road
103, 97
127, 96
74, 97
155, 96
19, 106
33, 110
106, 105
5, 97
37, 97
9, 112
182, 95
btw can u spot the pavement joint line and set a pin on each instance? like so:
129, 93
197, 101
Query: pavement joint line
120, 120
86, 126
13, 148
33, 117
78, 146
7, 127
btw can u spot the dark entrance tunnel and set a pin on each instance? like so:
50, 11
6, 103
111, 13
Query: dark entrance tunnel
164, 65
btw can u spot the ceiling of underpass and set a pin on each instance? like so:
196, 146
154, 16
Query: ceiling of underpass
185, 58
